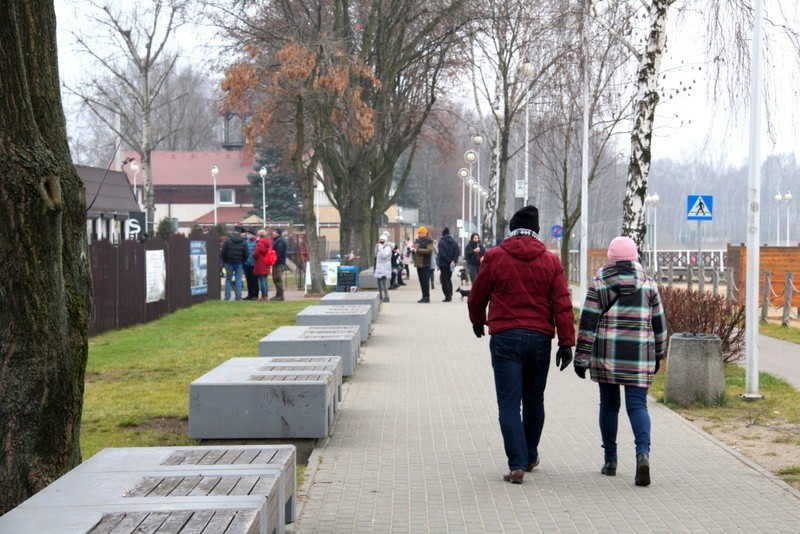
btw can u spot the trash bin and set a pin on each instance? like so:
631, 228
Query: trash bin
695, 369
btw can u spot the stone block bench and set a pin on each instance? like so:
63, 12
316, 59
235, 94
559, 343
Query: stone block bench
280, 458
342, 341
367, 280
358, 297
233, 402
359, 315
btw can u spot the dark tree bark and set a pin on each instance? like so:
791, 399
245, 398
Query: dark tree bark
45, 285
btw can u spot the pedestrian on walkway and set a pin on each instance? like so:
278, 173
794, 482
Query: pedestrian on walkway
234, 253
408, 256
249, 265
423, 250
279, 245
526, 291
447, 257
383, 265
473, 254
621, 340
265, 258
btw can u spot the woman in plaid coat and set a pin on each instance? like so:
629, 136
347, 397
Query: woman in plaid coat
621, 340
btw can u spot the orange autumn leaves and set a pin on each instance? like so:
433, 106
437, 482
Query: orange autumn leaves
328, 85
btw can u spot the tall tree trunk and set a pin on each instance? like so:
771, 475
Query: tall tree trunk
633, 224
45, 285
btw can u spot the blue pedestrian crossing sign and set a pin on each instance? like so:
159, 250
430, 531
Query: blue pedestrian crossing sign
699, 207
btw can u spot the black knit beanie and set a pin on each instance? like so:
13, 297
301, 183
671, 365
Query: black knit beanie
446, 231
527, 217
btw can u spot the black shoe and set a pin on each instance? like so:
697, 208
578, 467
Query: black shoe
642, 469
609, 468
532, 465
424, 300
402, 284
447, 300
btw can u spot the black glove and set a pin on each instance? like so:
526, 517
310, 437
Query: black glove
478, 329
658, 365
563, 357
580, 371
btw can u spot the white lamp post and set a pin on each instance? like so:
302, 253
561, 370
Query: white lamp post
788, 198
499, 115
477, 140
214, 173
652, 201
526, 70
263, 173
470, 183
463, 174
135, 168
778, 200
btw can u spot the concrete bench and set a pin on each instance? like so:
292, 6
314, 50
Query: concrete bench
367, 280
279, 458
358, 297
342, 341
187, 516
229, 403
351, 315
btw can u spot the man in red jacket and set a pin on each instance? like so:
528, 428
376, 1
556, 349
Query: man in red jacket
526, 290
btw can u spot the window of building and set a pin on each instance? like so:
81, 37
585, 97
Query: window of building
225, 196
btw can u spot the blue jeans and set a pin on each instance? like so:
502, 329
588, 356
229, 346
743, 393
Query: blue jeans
263, 282
233, 271
635, 405
521, 361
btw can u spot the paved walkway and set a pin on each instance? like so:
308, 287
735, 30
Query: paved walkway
779, 358
417, 448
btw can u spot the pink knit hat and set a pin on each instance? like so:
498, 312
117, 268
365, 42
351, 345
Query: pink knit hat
622, 249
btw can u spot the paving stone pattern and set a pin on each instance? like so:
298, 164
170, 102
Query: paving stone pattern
418, 449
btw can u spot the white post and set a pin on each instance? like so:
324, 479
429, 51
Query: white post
214, 172
463, 174
263, 173
470, 181
584, 252
754, 212
655, 234
778, 199
788, 198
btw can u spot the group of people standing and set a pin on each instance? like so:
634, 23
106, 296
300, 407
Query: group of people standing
254, 255
621, 340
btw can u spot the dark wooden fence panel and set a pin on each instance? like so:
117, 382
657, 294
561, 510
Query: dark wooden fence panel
120, 283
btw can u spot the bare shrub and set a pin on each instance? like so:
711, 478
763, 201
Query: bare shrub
703, 313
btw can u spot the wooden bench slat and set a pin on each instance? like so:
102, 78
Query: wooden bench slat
198, 522
107, 522
165, 487
175, 522
205, 487
244, 485
220, 522
152, 523
176, 458
186, 486
230, 457
242, 519
145, 486
129, 523
224, 487
212, 457
246, 456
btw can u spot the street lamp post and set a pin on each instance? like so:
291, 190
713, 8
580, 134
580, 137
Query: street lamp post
470, 183
652, 201
463, 174
778, 199
135, 168
214, 173
499, 115
263, 173
788, 198
477, 140
526, 70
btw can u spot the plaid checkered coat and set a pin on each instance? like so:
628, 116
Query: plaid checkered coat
621, 347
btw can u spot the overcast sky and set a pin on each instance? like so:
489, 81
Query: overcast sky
687, 127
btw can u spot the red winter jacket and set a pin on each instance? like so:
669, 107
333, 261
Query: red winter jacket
261, 266
524, 286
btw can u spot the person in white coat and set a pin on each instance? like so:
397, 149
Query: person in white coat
383, 265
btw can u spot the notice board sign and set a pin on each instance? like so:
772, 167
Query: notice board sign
346, 278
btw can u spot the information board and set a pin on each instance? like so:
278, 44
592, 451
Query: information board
346, 278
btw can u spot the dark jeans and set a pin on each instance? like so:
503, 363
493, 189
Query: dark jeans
521, 361
252, 282
473, 273
446, 279
635, 405
424, 282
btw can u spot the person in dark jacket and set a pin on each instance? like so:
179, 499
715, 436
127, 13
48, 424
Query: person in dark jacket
526, 290
234, 253
446, 259
249, 264
279, 245
397, 269
621, 340
473, 254
423, 251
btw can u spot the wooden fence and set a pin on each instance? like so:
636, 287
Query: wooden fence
119, 278
779, 262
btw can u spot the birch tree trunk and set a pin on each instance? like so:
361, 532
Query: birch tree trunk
45, 287
633, 223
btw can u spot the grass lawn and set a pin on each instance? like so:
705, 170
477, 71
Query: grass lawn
776, 330
137, 379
